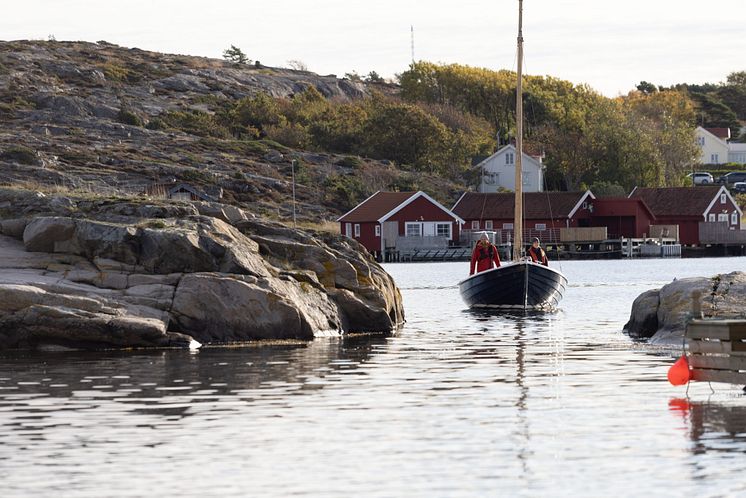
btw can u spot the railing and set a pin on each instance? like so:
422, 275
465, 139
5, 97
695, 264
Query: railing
427, 242
720, 233
504, 236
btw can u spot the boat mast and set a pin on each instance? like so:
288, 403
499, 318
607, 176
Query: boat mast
518, 214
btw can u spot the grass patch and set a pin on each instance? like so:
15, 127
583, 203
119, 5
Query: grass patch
21, 154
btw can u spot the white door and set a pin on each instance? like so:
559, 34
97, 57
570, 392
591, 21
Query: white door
348, 229
429, 229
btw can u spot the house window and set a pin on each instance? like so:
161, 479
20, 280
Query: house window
527, 178
475, 225
701, 141
443, 230
378, 230
491, 178
714, 159
585, 205
348, 229
722, 198
723, 217
541, 226
711, 217
414, 230
357, 229
509, 158
507, 226
488, 225
734, 218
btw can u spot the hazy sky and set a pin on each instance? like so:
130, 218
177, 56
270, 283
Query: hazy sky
609, 44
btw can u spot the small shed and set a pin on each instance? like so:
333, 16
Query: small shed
623, 217
386, 220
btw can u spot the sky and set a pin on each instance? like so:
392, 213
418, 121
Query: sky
610, 45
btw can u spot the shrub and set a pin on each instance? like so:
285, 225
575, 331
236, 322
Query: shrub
21, 154
129, 118
350, 162
193, 122
291, 135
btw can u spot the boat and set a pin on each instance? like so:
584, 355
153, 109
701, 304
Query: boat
520, 283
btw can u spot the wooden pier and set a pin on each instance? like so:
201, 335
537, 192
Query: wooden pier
716, 350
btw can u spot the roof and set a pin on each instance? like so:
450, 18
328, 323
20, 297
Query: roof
678, 201
192, 190
537, 205
721, 133
382, 205
619, 206
536, 159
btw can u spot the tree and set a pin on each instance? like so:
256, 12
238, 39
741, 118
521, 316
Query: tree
647, 88
374, 77
235, 55
298, 65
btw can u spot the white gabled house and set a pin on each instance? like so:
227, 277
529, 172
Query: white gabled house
716, 148
498, 171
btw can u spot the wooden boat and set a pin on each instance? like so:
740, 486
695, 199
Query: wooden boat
523, 285
520, 284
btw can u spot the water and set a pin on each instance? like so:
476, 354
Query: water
458, 404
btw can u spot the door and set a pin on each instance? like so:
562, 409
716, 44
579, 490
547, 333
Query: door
428, 229
390, 233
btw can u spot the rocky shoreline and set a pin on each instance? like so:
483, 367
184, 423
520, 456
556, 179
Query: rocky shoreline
134, 274
661, 315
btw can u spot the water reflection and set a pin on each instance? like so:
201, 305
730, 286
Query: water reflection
712, 426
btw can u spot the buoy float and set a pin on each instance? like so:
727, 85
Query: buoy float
679, 373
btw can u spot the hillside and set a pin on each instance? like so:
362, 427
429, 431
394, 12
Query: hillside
105, 120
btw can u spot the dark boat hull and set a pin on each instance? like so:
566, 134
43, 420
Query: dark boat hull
515, 285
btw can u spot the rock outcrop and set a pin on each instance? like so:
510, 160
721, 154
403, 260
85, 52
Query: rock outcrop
88, 283
661, 314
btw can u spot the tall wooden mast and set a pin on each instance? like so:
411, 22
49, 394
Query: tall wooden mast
518, 215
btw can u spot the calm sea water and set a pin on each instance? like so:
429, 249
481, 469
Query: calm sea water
460, 403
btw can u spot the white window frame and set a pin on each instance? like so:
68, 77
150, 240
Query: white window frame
411, 224
507, 226
527, 178
348, 230
357, 230
509, 158
711, 218
488, 224
475, 224
714, 159
701, 141
541, 226
723, 217
378, 230
734, 218
438, 226
722, 198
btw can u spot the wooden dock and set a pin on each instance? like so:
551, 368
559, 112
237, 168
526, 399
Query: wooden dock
716, 350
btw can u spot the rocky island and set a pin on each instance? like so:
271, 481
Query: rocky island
110, 273
661, 315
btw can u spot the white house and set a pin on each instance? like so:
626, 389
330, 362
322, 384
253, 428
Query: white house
498, 170
716, 148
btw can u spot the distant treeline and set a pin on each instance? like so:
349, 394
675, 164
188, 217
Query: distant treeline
445, 115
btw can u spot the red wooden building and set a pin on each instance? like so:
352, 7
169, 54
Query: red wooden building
622, 216
382, 220
544, 212
688, 206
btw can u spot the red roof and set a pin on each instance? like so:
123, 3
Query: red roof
677, 201
722, 133
619, 206
376, 206
500, 205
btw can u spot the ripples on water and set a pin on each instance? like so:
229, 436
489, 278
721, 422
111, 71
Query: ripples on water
460, 403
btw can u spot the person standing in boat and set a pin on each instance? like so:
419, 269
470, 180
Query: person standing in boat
537, 254
484, 255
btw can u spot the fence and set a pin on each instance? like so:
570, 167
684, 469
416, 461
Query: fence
720, 233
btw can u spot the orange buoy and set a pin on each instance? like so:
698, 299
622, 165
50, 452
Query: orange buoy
679, 373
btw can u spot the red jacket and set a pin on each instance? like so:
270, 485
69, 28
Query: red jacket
538, 255
483, 256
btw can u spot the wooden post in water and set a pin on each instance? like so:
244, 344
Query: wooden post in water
518, 214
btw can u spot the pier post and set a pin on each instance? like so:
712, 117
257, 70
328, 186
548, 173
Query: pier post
697, 304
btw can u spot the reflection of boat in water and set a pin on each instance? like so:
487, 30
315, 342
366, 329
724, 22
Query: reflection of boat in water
522, 284
515, 285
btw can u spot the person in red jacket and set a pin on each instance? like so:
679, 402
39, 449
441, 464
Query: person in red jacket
537, 254
484, 255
